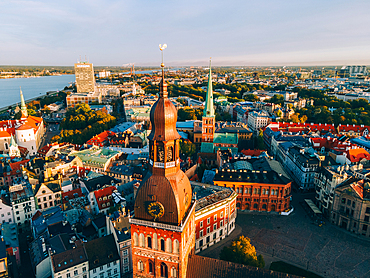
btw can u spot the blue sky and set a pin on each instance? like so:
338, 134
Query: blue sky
262, 32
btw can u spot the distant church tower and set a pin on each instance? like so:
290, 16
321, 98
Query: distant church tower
208, 119
13, 148
163, 228
23, 107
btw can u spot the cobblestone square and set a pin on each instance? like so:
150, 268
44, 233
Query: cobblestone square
327, 250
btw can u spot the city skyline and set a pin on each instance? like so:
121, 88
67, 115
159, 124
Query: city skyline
242, 33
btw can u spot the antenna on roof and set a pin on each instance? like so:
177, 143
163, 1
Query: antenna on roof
80, 59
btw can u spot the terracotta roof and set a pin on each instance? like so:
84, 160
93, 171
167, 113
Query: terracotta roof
204, 267
4, 134
24, 127
70, 195
104, 197
252, 152
356, 155
101, 138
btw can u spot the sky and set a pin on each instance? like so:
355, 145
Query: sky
233, 33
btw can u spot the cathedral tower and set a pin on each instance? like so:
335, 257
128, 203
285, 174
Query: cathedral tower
163, 228
208, 119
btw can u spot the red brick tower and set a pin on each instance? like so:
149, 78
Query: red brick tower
163, 229
208, 119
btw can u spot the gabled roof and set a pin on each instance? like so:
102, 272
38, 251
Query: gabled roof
104, 197
356, 155
76, 193
101, 251
69, 258
101, 138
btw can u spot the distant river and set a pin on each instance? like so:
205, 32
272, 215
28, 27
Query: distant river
31, 87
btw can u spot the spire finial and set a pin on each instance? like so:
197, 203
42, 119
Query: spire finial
163, 88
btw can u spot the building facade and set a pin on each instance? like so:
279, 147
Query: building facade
257, 190
351, 206
85, 78
215, 214
257, 120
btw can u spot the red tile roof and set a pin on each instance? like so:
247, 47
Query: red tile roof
356, 155
104, 197
252, 152
100, 139
70, 195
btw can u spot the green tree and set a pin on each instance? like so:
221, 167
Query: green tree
187, 148
277, 99
259, 144
243, 252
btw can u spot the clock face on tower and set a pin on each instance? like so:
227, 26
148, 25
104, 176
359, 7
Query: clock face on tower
156, 209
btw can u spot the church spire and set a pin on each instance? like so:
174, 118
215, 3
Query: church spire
23, 106
163, 85
208, 109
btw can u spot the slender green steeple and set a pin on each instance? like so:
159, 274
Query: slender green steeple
23, 106
208, 108
12, 141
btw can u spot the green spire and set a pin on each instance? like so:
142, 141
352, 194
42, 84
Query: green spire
208, 108
23, 106
12, 141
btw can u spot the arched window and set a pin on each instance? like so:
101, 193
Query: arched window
151, 267
140, 266
255, 206
264, 206
272, 192
136, 239
264, 191
169, 245
155, 241
176, 246
162, 245
149, 239
164, 270
173, 272
141, 240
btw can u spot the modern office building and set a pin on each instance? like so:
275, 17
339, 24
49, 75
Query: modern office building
85, 79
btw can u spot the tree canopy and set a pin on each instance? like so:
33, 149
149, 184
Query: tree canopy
243, 252
187, 148
81, 123
188, 113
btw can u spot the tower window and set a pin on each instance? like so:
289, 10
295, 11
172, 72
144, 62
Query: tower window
164, 270
149, 242
162, 245
173, 272
151, 267
140, 266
